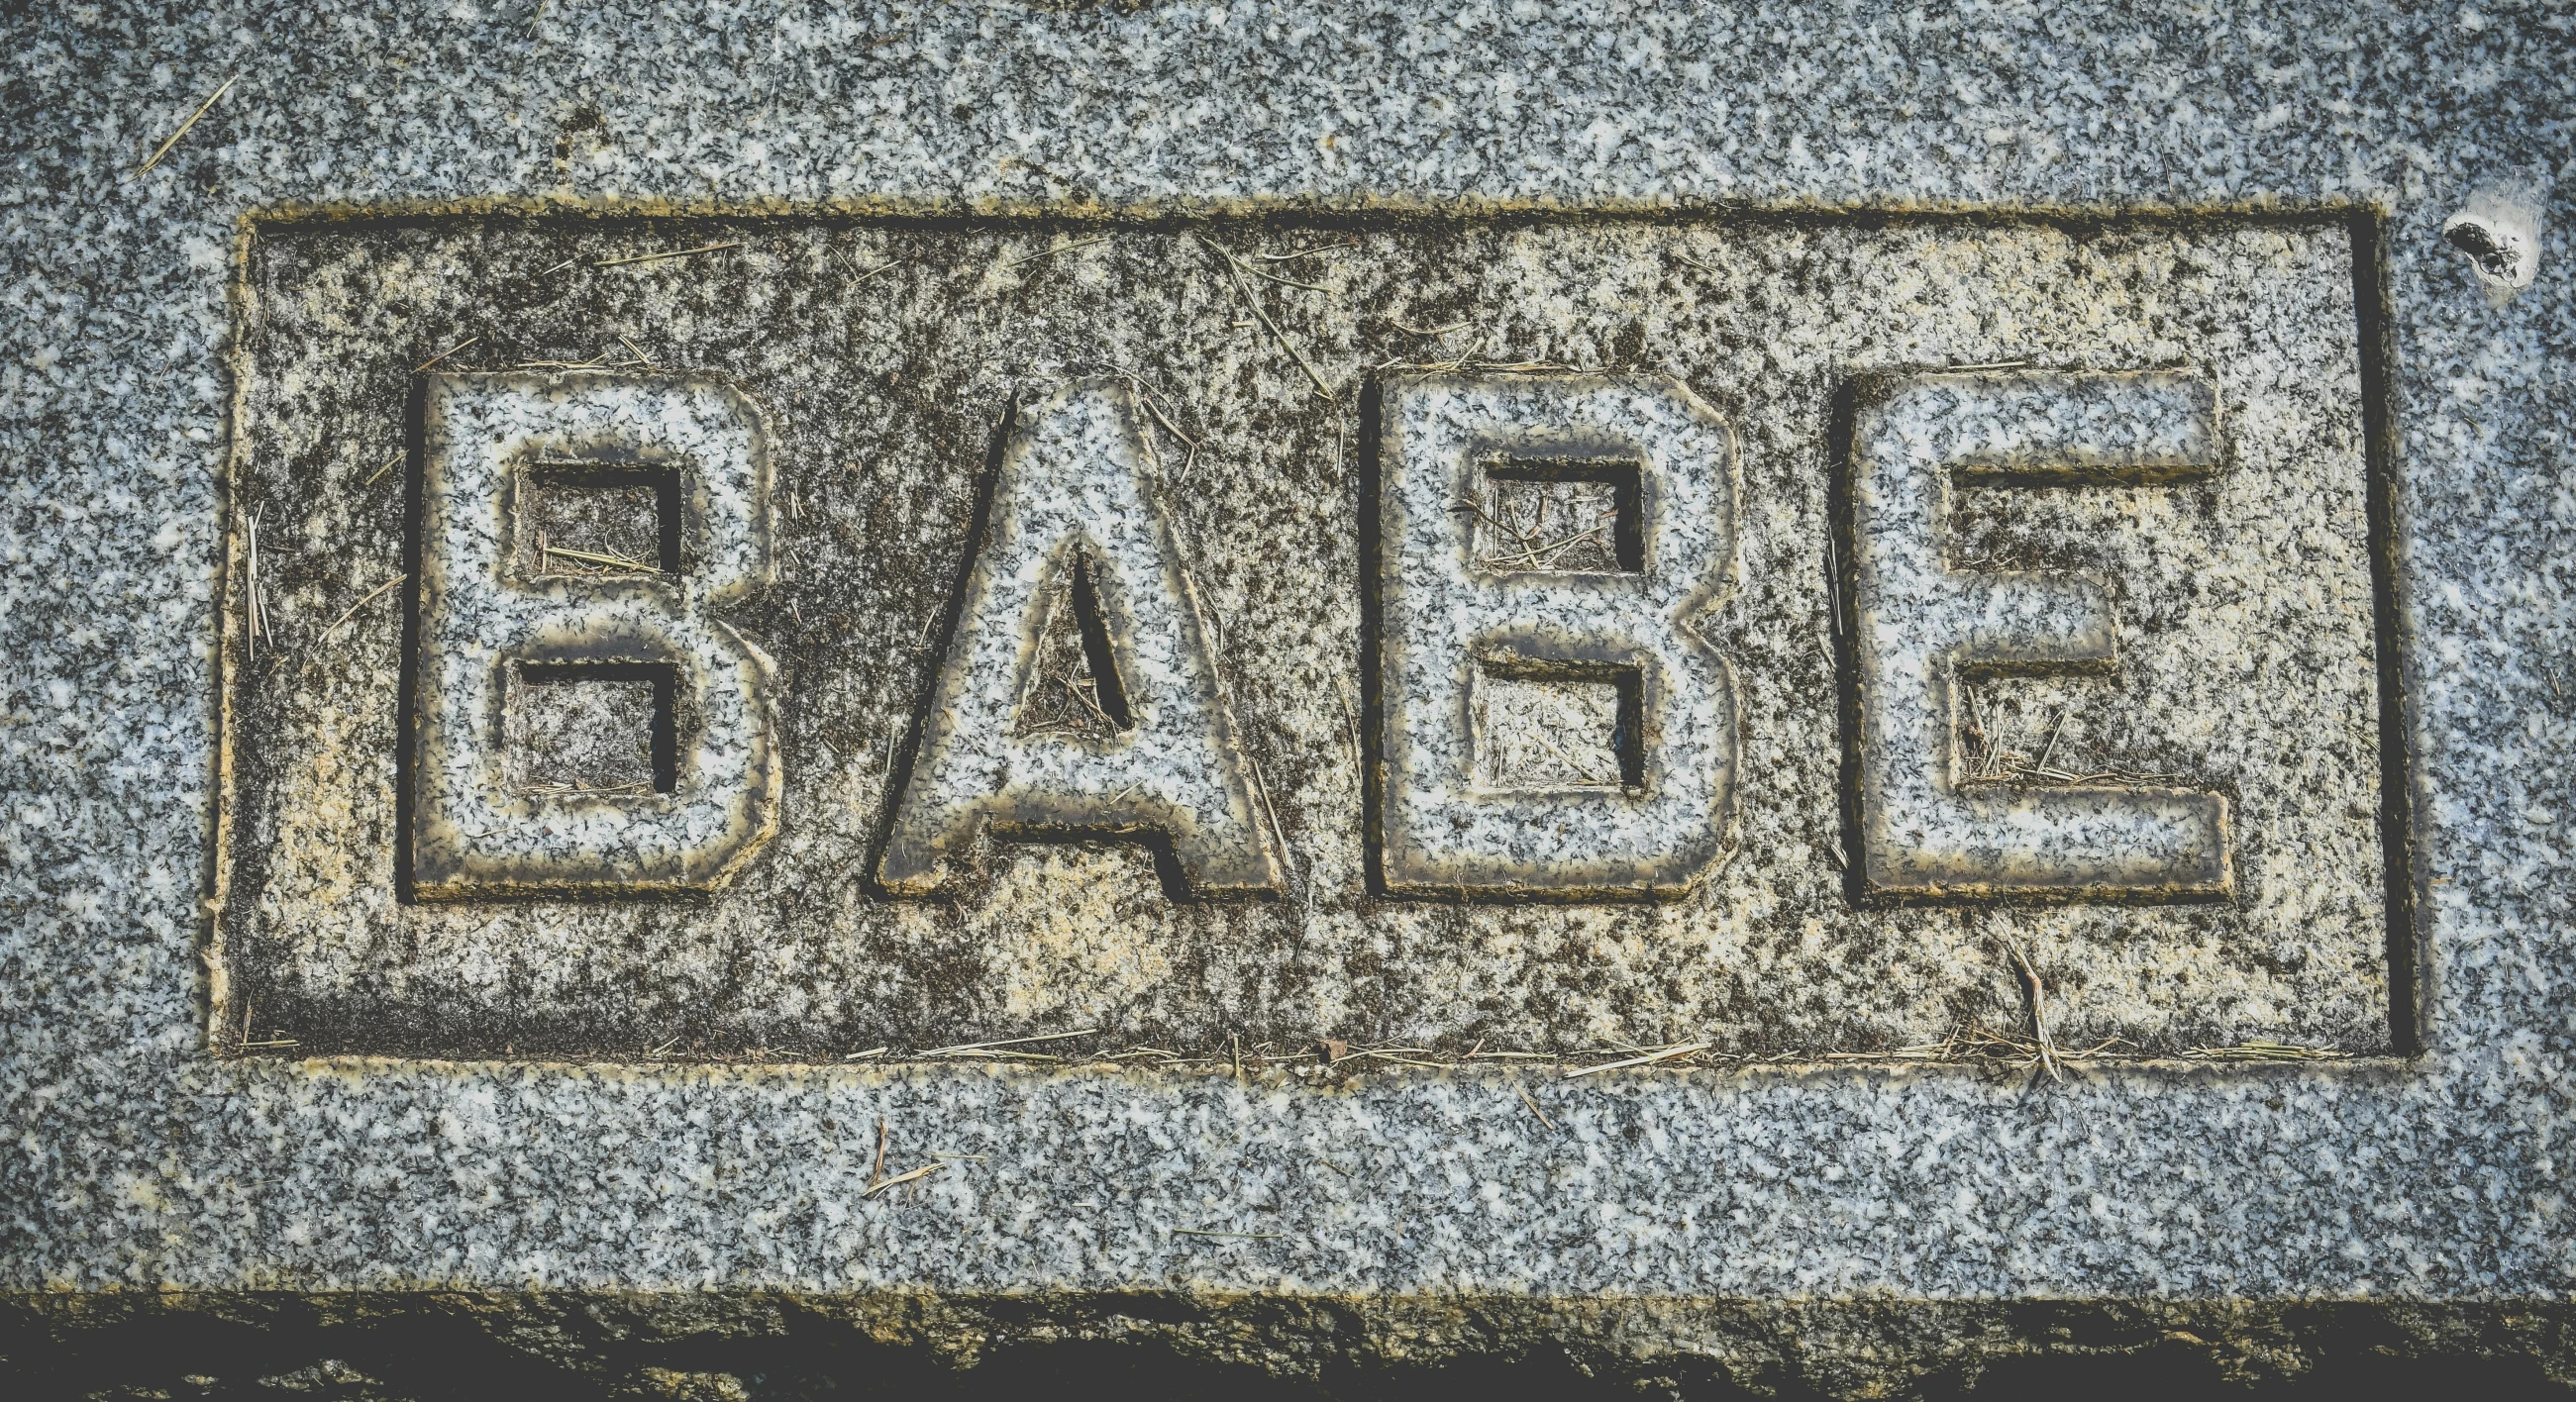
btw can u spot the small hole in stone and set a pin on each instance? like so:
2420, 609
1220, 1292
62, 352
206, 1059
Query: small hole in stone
592, 728
1558, 725
584, 520
2483, 247
1559, 516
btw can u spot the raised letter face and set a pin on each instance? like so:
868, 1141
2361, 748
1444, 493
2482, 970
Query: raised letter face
1553, 727
1927, 829
1078, 696
584, 722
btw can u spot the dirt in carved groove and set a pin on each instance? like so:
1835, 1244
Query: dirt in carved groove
1072, 688
886, 356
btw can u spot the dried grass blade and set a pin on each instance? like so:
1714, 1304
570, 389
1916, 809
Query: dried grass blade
202, 109
1648, 1059
1523, 1092
658, 257
352, 610
1235, 268
922, 1172
1009, 1042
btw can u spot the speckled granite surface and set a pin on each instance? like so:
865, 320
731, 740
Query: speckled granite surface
134, 1160
885, 356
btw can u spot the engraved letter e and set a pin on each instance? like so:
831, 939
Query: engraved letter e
1919, 626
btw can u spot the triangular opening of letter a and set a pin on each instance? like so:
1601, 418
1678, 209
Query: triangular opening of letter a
1072, 688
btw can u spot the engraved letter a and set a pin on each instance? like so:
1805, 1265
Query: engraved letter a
1072, 507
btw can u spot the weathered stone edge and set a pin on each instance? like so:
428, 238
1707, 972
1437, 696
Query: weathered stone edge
1850, 1348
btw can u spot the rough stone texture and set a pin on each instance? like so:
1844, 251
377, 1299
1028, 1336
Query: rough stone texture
886, 356
1205, 1346
578, 734
2426, 1186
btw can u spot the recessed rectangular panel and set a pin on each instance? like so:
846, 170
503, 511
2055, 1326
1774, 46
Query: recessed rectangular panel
1555, 730
571, 728
1532, 635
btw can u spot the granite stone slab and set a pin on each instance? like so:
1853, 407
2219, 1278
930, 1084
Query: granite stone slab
2345, 222
1309, 853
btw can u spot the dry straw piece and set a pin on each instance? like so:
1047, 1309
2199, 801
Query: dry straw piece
202, 109
1523, 1092
1649, 1059
658, 257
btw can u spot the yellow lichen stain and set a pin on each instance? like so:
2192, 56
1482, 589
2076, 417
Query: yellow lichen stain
331, 869
1056, 935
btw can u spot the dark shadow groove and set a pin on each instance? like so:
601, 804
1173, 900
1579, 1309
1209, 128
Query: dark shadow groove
1372, 626
2376, 327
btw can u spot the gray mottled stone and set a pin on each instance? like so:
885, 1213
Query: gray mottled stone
2232, 646
138, 1161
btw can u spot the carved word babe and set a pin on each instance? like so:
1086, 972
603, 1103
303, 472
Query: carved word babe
1474, 623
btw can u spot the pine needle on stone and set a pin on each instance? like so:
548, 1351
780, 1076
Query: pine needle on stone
257, 608
919, 1173
2264, 1049
1523, 1092
658, 257
1051, 251
352, 611
872, 274
442, 355
1235, 269
1008, 1042
202, 109
594, 558
1316, 252
2038, 994
1649, 1059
